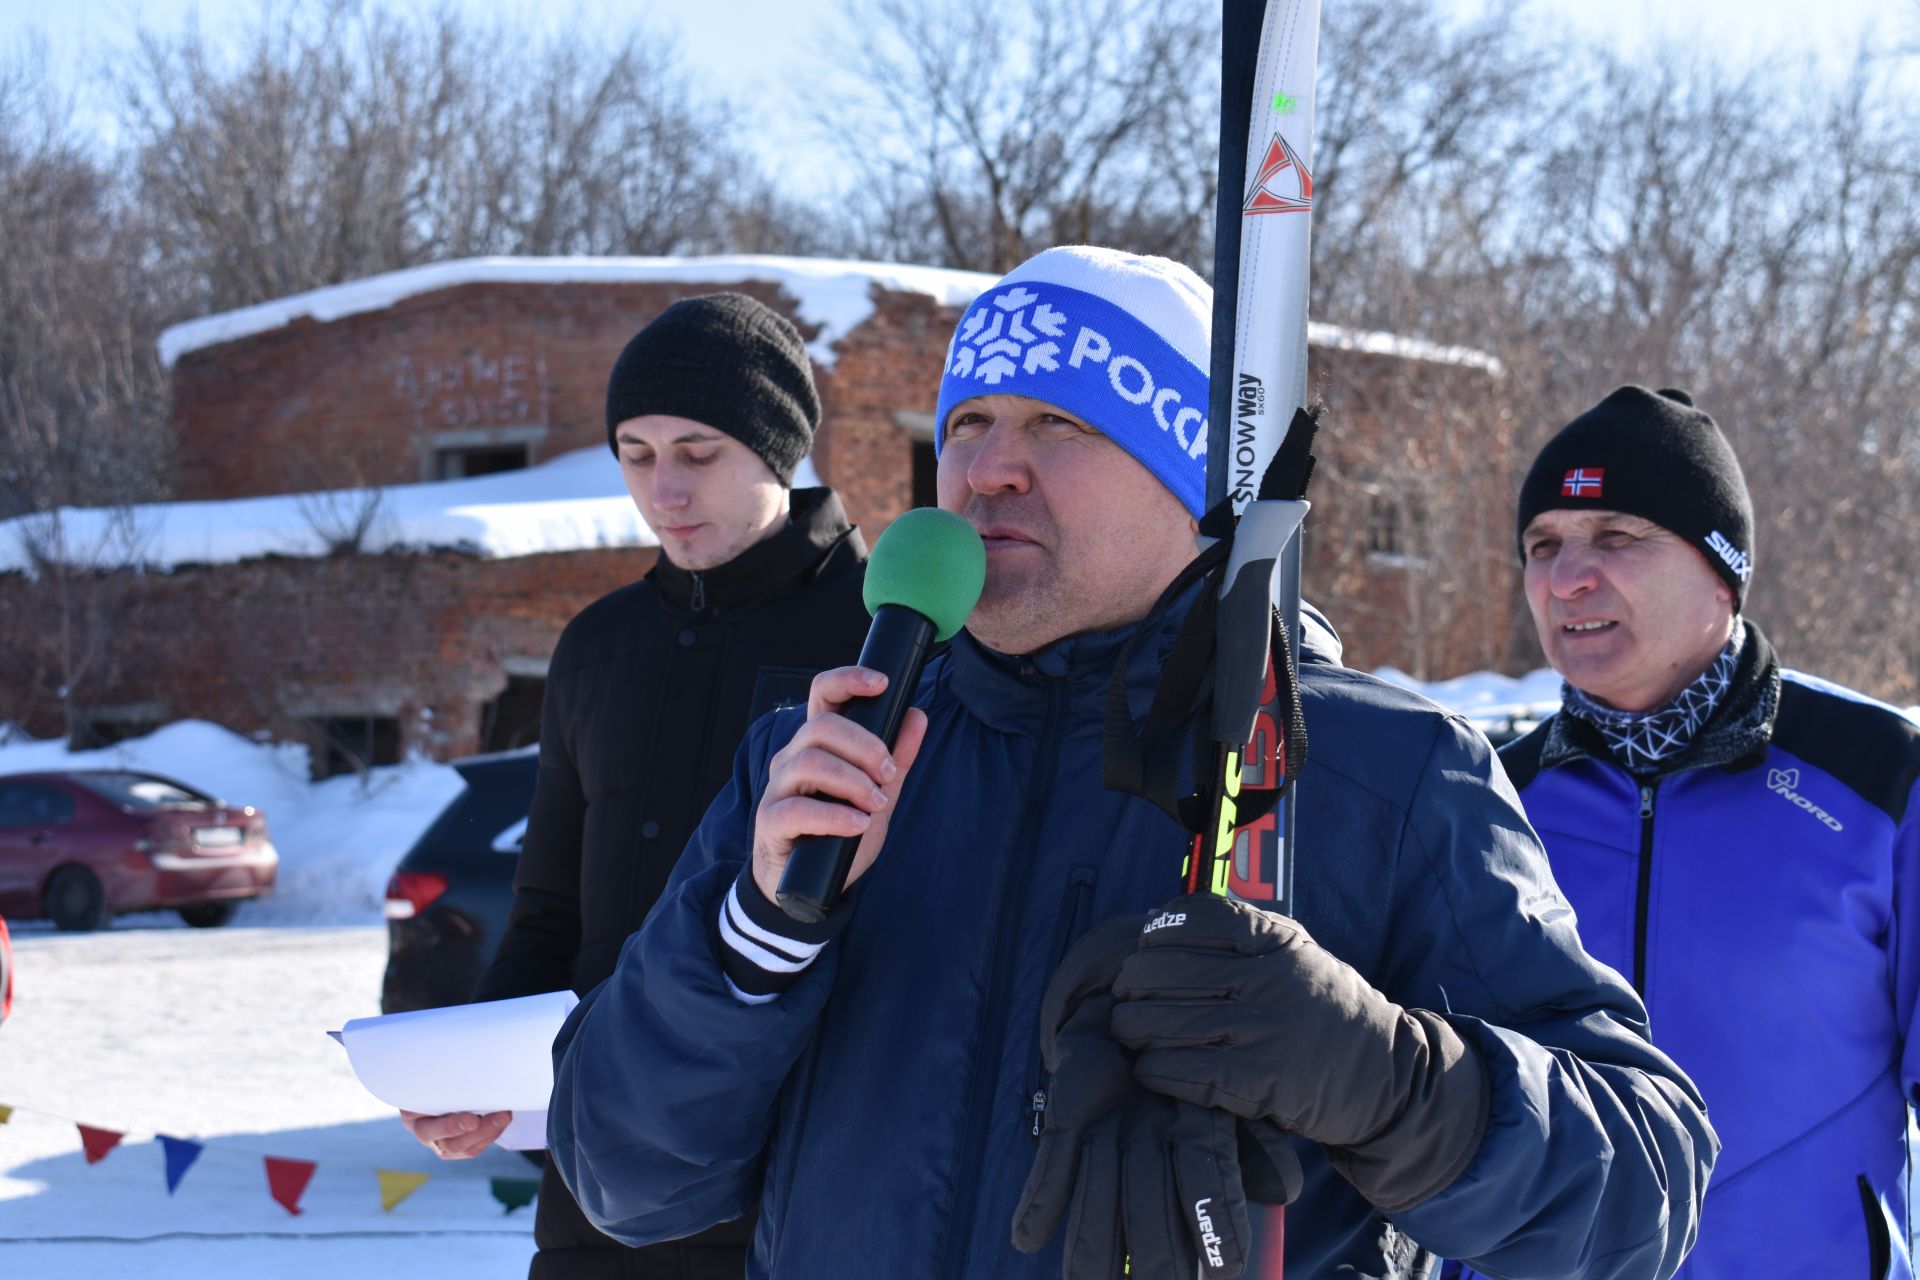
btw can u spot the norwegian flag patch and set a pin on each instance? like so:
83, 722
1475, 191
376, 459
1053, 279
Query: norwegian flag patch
1583, 482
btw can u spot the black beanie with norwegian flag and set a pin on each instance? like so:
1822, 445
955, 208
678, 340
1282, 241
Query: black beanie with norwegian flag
1650, 454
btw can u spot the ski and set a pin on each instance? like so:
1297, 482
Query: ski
1258, 465
1258, 392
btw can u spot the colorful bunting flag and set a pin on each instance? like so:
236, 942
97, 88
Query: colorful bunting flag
515, 1193
98, 1142
396, 1186
180, 1157
287, 1180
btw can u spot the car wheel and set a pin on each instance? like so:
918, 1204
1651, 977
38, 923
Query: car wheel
76, 901
209, 915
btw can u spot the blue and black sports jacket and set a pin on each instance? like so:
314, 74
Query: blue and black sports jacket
1763, 894
880, 1109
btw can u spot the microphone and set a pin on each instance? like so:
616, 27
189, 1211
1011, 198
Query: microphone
923, 579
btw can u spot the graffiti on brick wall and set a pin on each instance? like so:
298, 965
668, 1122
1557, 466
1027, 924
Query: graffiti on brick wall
505, 389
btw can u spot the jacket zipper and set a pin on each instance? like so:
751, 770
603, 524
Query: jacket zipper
1644, 890
1073, 923
980, 1097
699, 593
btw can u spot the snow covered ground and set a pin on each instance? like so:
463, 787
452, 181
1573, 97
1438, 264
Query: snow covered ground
219, 1036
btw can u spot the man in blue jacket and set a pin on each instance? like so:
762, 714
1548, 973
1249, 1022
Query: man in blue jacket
1452, 1073
1741, 841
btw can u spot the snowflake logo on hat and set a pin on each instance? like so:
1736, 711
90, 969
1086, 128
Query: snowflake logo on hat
1008, 336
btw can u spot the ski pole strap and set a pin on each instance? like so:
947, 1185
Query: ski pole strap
1291, 468
1286, 682
1146, 761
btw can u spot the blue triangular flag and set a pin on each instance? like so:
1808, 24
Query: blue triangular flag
180, 1157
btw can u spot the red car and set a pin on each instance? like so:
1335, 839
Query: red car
82, 847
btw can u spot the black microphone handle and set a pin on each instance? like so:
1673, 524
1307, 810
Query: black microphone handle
897, 645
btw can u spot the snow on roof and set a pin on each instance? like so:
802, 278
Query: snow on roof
835, 295
1375, 343
574, 502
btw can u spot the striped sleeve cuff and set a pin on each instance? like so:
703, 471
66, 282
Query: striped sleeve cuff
763, 950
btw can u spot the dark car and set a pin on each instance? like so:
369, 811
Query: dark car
450, 897
83, 846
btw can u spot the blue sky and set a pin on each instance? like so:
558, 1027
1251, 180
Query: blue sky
756, 51
750, 39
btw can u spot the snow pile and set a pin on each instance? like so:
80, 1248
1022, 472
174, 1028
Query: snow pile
570, 503
338, 840
1487, 698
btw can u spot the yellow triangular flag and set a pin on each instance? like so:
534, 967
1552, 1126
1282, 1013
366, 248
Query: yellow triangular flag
396, 1186
6, 1114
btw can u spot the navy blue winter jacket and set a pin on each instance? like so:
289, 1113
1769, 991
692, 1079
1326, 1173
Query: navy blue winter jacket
1763, 892
878, 1110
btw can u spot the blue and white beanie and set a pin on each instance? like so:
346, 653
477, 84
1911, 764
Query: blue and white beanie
1118, 340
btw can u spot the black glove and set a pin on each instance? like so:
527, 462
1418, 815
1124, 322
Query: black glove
1148, 1185
1229, 1006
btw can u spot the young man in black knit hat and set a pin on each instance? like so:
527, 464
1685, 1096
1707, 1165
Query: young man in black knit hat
1739, 840
709, 410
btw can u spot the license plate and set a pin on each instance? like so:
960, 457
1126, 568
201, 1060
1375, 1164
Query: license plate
216, 837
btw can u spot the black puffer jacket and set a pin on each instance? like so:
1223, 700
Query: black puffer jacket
649, 692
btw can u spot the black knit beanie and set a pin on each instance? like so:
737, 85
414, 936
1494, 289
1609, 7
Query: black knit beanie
1651, 454
727, 361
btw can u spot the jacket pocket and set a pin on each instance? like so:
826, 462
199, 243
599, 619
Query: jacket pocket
1076, 906
1879, 1233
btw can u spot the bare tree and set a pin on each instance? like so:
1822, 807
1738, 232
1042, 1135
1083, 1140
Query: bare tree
337, 140
1419, 124
1594, 221
979, 134
81, 394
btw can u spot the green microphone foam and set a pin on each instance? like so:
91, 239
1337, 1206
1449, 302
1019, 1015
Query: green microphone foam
932, 562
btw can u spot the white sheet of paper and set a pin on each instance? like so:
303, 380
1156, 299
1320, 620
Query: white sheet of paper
527, 1131
492, 1056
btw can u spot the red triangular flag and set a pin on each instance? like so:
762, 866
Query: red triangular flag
288, 1179
98, 1142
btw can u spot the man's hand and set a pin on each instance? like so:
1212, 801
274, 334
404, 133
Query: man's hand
833, 778
1230, 1006
459, 1135
1144, 1184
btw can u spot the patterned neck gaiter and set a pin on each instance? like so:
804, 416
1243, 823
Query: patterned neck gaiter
1640, 739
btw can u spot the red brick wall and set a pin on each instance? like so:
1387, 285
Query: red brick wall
270, 645
1438, 443
892, 363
